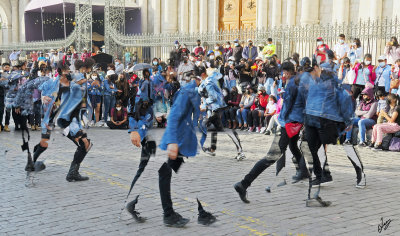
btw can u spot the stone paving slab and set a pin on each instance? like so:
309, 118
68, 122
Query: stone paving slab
57, 207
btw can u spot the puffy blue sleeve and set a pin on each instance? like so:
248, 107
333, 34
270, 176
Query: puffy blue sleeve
143, 125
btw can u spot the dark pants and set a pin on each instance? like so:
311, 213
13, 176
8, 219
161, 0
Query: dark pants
266, 121
230, 114
253, 118
356, 90
2, 107
164, 181
17, 119
8, 116
273, 156
34, 119
313, 136
114, 126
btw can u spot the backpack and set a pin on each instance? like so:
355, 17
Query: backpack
386, 142
395, 144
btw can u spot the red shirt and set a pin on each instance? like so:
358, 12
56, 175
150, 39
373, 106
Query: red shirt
321, 52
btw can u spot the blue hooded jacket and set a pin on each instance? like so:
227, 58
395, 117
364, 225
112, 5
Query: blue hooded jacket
182, 121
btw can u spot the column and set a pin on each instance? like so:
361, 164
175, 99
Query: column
262, 14
157, 16
341, 11
143, 11
203, 15
291, 12
396, 10
184, 16
309, 12
213, 15
370, 9
170, 16
15, 20
194, 16
276, 13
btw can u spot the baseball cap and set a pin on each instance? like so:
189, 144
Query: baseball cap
381, 58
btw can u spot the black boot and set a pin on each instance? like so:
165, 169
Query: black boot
301, 172
205, 218
29, 165
37, 151
73, 173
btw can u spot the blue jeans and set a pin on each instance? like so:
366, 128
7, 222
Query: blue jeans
107, 106
362, 124
242, 116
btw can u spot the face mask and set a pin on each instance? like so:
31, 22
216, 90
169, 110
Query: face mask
319, 43
341, 41
198, 44
216, 48
236, 44
176, 45
116, 63
250, 44
271, 102
230, 62
118, 108
155, 63
382, 64
336, 61
227, 46
211, 57
185, 61
224, 93
198, 63
94, 77
367, 62
39, 73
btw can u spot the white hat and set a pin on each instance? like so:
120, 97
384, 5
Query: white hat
381, 58
259, 58
231, 58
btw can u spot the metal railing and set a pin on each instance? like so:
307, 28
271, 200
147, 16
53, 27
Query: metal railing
373, 34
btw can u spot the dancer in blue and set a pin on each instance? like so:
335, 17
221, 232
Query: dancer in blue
69, 94
180, 141
213, 99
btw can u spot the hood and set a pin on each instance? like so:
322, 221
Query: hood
368, 91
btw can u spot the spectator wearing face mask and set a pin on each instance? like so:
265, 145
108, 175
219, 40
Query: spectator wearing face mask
244, 107
231, 74
269, 49
237, 51
119, 117
217, 52
156, 62
341, 49
119, 67
198, 49
228, 51
184, 67
364, 75
250, 52
95, 91
321, 51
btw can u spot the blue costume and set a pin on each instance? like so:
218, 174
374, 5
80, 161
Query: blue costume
214, 102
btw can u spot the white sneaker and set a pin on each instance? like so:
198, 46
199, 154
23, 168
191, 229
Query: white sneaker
262, 130
257, 130
240, 156
66, 131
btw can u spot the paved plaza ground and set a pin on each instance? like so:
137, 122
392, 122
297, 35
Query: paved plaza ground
57, 207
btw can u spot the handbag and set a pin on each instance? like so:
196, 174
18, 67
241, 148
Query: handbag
292, 129
395, 144
350, 77
394, 84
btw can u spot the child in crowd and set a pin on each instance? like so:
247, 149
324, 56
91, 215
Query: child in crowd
269, 112
382, 104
